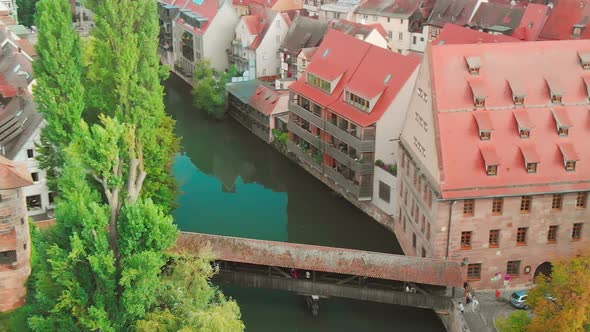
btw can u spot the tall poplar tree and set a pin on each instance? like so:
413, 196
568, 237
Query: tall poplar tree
26, 11
124, 82
59, 93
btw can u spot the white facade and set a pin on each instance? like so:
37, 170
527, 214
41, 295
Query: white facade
376, 38
399, 37
38, 192
418, 41
387, 134
268, 62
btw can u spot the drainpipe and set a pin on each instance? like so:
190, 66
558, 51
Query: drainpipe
449, 237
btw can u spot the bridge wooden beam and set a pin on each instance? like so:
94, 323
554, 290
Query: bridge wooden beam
283, 273
346, 280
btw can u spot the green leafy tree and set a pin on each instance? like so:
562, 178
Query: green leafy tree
123, 81
188, 302
209, 88
562, 302
26, 12
518, 321
59, 93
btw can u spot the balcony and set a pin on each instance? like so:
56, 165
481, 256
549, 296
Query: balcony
306, 135
355, 142
303, 155
342, 181
361, 167
307, 115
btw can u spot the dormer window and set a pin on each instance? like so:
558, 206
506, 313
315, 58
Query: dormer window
523, 122
570, 156
584, 60
524, 133
518, 100
562, 121
492, 169
319, 83
490, 158
357, 101
587, 84
477, 90
518, 92
555, 90
531, 167
473, 65
485, 135
484, 124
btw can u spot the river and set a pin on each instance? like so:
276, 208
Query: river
234, 184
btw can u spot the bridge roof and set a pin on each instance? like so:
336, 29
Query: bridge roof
326, 259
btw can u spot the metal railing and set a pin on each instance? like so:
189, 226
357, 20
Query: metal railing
361, 167
355, 142
306, 135
307, 115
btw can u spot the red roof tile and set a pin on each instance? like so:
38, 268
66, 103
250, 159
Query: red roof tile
207, 9
266, 100
565, 15
463, 168
253, 23
367, 70
454, 34
13, 175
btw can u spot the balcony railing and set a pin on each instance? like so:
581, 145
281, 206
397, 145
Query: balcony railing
306, 135
361, 167
355, 142
307, 115
303, 155
342, 181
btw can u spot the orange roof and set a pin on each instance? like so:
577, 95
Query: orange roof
464, 155
367, 70
564, 17
266, 100
13, 175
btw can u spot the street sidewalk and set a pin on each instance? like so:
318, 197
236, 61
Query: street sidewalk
489, 308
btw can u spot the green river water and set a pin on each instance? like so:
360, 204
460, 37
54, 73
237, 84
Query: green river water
234, 184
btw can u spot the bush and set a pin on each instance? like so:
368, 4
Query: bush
518, 321
393, 169
280, 136
379, 163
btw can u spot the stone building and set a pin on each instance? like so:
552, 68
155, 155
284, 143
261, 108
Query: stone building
494, 168
15, 249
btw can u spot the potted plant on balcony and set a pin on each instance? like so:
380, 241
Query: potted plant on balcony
379, 163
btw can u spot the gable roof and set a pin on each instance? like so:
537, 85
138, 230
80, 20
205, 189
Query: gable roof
451, 11
389, 8
364, 69
565, 15
204, 10
341, 6
304, 32
463, 171
266, 100
265, 18
497, 18
353, 28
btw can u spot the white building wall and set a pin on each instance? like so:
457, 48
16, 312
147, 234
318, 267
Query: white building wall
40, 186
267, 61
388, 131
219, 35
377, 39
398, 34
418, 41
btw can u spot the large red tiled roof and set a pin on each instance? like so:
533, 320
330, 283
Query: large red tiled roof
464, 155
454, 34
367, 70
266, 100
253, 23
207, 9
564, 16
13, 175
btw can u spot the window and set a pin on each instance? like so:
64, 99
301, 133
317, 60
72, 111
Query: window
473, 271
390, 35
428, 231
531, 167
30, 153
319, 83
414, 240
552, 234
278, 22
518, 100
570, 166
581, 199
401, 21
263, 72
278, 38
33, 202
521, 236
414, 40
375, 18
492, 169
423, 224
556, 202
400, 36
563, 131
384, 191
480, 102
468, 207
465, 240
494, 238
525, 204
513, 268
404, 219
51, 197
485, 135
429, 199
525, 133
17, 68
7, 257
35, 176
356, 101
497, 205
421, 39
577, 232
556, 99
423, 252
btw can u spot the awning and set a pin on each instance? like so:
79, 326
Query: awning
568, 151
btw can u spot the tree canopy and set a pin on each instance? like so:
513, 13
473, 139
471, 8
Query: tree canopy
209, 88
26, 11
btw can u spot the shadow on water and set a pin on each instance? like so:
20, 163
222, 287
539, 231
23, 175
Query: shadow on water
234, 184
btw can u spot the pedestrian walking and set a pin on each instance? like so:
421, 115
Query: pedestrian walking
474, 304
307, 275
468, 297
461, 307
